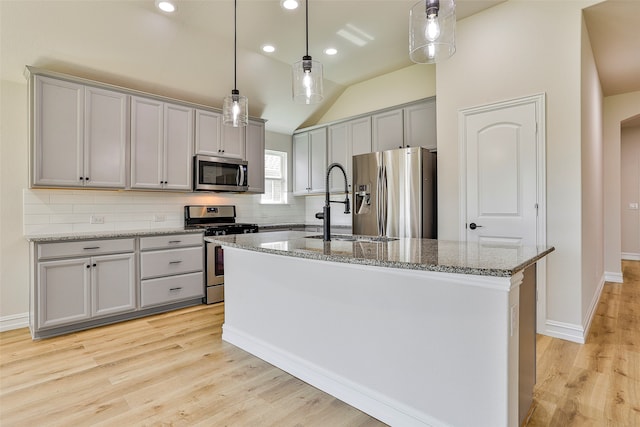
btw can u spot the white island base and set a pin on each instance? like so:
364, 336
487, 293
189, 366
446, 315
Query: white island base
409, 347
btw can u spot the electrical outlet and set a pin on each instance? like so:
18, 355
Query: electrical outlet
633, 206
159, 217
96, 219
514, 319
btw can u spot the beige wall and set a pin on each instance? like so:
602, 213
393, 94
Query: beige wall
616, 109
630, 191
14, 155
502, 54
592, 181
408, 84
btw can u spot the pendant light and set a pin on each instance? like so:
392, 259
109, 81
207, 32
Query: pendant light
235, 108
432, 28
307, 74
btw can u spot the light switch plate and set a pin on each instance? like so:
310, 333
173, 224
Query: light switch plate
96, 219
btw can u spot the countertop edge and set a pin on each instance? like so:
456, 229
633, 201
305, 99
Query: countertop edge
107, 235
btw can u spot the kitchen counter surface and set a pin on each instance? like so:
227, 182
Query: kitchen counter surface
404, 253
106, 234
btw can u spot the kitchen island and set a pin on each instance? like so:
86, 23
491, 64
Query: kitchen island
411, 331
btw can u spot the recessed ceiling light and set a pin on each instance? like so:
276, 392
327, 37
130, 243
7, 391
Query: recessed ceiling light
289, 4
166, 5
268, 48
331, 51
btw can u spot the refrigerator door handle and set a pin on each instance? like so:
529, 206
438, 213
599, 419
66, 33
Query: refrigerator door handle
379, 201
385, 202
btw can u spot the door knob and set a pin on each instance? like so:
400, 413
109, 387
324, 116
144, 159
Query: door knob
473, 226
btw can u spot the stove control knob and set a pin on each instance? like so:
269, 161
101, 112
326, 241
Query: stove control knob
223, 232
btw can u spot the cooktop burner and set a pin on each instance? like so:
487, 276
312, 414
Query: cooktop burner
216, 220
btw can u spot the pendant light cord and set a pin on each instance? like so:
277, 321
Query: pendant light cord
235, 44
306, 7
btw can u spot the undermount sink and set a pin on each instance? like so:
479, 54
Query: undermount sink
351, 238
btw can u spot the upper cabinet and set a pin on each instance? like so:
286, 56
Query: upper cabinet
411, 126
161, 145
420, 125
80, 135
387, 130
309, 161
255, 156
345, 140
214, 139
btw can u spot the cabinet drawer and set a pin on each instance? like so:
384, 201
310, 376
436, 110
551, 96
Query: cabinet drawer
169, 289
171, 241
84, 248
171, 262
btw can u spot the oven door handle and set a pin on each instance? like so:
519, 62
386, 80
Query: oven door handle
240, 176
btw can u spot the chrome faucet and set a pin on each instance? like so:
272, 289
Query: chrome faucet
325, 215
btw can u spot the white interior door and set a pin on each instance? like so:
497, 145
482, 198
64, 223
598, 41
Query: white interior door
501, 175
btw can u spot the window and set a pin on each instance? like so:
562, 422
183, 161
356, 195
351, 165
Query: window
275, 177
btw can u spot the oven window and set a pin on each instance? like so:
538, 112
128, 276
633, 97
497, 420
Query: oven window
219, 263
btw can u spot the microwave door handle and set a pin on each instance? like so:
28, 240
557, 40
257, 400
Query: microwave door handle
241, 175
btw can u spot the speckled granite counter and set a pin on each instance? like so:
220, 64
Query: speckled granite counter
106, 234
416, 254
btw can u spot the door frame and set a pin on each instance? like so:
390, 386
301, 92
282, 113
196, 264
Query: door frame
539, 100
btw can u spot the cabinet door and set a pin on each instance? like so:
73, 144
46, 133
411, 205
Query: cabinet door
208, 132
233, 142
106, 138
360, 130
420, 125
387, 130
318, 159
255, 156
58, 133
63, 292
301, 163
178, 147
147, 140
113, 285
338, 146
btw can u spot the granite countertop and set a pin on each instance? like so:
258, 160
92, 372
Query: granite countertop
497, 260
86, 235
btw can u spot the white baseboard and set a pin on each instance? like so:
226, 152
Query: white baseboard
565, 331
613, 277
14, 321
379, 406
592, 308
630, 256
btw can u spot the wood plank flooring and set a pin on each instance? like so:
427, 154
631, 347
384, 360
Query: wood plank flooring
173, 369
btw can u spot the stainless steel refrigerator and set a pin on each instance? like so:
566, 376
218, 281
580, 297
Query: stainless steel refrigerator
394, 193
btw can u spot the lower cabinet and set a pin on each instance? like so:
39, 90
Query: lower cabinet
171, 269
83, 288
77, 284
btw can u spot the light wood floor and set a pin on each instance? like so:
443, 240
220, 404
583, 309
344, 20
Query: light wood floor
174, 369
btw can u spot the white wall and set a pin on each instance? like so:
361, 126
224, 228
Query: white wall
630, 192
42, 211
503, 53
616, 109
592, 182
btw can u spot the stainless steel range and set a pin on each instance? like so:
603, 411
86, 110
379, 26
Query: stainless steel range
215, 220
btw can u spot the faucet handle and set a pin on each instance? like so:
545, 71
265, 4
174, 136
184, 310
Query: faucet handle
319, 215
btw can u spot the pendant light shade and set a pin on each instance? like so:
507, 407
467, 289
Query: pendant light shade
432, 28
235, 108
307, 74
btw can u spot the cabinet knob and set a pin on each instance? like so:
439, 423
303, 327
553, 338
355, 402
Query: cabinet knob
81, 178
95, 265
86, 178
88, 265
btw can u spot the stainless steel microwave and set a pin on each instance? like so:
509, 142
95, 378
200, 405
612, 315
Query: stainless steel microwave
219, 174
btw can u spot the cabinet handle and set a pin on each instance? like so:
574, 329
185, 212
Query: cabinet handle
175, 289
174, 241
175, 262
91, 247
88, 265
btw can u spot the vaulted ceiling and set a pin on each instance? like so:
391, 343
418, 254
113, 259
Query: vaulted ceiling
189, 54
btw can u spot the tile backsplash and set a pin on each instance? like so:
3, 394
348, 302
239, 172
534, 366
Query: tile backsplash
49, 211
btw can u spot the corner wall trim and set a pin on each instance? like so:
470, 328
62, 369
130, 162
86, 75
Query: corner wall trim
565, 331
14, 321
613, 277
630, 256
